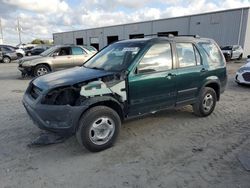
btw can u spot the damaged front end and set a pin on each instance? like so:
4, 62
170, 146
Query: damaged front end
59, 109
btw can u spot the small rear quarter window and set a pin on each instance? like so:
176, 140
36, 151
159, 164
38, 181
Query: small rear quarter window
215, 57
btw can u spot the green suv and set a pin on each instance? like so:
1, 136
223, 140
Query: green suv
126, 79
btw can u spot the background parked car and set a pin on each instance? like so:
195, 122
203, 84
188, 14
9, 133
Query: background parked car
243, 74
232, 52
24, 46
8, 54
20, 52
55, 58
1, 56
36, 50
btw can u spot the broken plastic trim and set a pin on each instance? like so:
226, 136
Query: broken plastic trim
47, 138
114, 85
99, 88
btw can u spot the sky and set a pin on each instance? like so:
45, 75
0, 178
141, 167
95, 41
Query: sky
41, 18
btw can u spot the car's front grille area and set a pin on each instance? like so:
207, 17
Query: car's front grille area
35, 92
246, 76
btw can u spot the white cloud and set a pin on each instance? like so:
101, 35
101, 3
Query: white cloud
51, 6
39, 19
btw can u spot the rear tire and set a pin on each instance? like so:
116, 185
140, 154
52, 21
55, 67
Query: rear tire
98, 128
19, 56
6, 59
40, 70
206, 102
240, 57
227, 57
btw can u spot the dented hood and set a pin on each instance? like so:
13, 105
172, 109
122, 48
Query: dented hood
69, 77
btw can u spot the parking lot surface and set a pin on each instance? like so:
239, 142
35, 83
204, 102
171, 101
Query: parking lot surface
172, 148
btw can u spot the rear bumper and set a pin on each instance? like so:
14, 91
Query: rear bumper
56, 118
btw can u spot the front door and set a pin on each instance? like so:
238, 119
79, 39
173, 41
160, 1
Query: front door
152, 86
63, 59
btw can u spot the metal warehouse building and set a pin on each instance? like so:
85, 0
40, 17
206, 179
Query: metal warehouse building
228, 27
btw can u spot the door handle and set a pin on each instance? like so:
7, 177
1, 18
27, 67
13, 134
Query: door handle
170, 75
203, 70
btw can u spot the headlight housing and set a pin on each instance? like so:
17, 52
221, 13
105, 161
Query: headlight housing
26, 63
62, 96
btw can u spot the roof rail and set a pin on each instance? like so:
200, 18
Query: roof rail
160, 35
195, 36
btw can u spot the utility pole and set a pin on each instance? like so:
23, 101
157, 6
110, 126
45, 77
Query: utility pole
19, 29
1, 31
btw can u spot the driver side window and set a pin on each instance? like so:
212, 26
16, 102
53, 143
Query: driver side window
157, 58
64, 51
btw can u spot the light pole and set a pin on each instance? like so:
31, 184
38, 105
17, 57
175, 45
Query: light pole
1, 31
19, 29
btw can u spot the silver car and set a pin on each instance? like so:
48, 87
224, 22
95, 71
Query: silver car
232, 52
53, 59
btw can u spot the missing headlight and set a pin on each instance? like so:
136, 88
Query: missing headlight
62, 96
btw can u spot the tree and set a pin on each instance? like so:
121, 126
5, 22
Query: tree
37, 41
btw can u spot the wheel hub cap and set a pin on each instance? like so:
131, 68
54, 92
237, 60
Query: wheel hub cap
41, 71
208, 102
102, 130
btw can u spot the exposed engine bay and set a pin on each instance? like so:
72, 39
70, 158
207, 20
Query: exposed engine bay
114, 86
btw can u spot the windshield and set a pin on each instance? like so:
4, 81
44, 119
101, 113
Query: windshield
227, 48
90, 48
116, 57
49, 51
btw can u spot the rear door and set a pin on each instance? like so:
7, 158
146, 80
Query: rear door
80, 55
190, 72
153, 85
63, 58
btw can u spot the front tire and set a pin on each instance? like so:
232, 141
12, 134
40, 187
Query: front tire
40, 70
206, 102
6, 59
98, 128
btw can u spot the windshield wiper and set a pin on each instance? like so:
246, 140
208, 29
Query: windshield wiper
98, 68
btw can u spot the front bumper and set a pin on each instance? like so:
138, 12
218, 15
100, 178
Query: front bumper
239, 79
25, 70
56, 118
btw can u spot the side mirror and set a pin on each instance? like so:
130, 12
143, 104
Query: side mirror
55, 54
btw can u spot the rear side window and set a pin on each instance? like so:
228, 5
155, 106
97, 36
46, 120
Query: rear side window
6, 49
188, 55
77, 51
157, 58
213, 52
